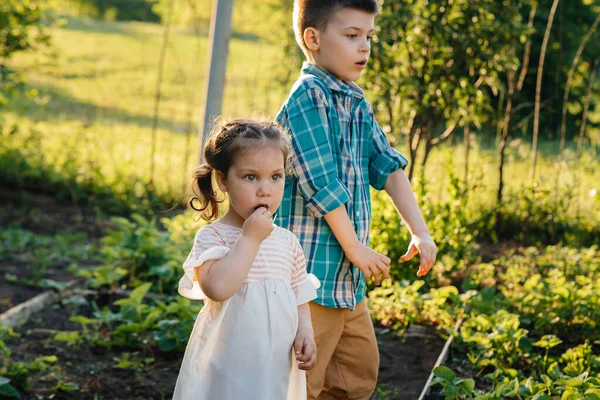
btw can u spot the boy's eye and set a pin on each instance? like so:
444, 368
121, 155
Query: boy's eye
276, 177
250, 178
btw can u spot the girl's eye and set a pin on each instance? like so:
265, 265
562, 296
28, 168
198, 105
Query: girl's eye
351, 36
250, 178
276, 177
369, 38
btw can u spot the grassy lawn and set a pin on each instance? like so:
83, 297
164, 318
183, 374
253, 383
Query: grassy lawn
94, 98
91, 115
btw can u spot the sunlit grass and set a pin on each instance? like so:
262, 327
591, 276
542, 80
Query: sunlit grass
91, 116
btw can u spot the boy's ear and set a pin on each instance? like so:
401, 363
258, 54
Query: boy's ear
311, 39
221, 181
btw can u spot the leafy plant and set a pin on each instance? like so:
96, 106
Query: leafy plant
453, 387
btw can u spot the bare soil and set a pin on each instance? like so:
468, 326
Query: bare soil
405, 365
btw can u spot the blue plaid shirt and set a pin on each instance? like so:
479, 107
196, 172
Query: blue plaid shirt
338, 151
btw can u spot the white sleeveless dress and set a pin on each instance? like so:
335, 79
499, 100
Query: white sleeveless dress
242, 348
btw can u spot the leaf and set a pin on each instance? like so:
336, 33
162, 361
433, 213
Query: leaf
554, 371
444, 372
562, 292
9, 391
450, 391
80, 319
469, 384
592, 394
571, 382
138, 293
548, 342
52, 284
546, 380
166, 344
67, 336
569, 395
501, 388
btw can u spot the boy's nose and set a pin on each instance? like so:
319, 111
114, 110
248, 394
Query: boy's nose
365, 46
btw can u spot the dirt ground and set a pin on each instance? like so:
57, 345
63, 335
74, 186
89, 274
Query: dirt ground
91, 369
405, 362
12, 294
404, 368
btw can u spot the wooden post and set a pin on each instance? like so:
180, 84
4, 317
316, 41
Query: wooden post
220, 33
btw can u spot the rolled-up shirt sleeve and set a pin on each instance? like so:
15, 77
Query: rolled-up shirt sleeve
312, 158
384, 158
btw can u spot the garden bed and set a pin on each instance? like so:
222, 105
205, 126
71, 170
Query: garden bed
74, 368
406, 361
12, 294
82, 371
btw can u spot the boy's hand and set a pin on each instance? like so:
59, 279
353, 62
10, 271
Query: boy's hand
258, 225
369, 261
426, 248
305, 349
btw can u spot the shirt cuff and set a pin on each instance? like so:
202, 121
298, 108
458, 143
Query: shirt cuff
382, 165
328, 198
307, 291
190, 288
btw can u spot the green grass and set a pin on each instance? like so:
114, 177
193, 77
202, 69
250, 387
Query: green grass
94, 96
89, 121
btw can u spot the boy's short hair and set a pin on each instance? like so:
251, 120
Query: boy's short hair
316, 14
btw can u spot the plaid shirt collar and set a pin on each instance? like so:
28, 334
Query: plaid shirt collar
347, 88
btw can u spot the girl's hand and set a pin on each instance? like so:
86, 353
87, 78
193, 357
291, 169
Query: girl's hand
258, 225
369, 261
305, 348
427, 250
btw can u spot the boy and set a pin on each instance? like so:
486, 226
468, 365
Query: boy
339, 151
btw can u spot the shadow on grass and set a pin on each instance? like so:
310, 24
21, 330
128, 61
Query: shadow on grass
139, 30
59, 105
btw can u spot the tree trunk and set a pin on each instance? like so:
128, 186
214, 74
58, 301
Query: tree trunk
504, 139
563, 122
586, 106
161, 65
413, 146
428, 147
499, 113
507, 118
538, 89
467, 146
190, 130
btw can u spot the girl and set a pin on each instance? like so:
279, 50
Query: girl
251, 274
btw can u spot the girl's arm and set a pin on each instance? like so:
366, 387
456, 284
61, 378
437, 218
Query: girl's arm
398, 187
304, 344
220, 279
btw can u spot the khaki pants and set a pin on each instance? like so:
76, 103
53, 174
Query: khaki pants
347, 354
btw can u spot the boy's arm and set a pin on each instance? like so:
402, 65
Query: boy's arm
312, 157
386, 171
318, 182
398, 187
366, 259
